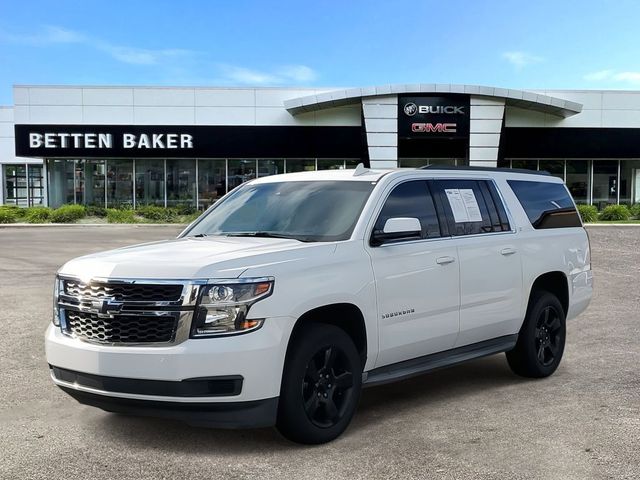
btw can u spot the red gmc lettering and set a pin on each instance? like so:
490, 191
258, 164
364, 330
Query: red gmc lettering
434, 127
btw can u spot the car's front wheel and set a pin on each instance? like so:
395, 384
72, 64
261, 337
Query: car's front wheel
320, 386
541, 340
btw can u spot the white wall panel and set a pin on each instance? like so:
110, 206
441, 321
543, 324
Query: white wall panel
55, 96
380, 111
21, 114
585, 119
621, 100
20, 95
232, 97
589, 100
6, 114
107, 96
179, 97
488, 112
486, 126
274, 97
484, 140
379, 125
520, 117
279, 116
225, 116
6, 129
55, 114
103, 114
621, 118
164, 115
483, 154
383, 153
382, 139
384, 164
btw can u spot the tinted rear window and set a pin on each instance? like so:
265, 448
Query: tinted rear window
548, 205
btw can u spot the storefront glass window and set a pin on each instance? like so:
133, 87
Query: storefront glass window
630, 181
36, 185
212, 181
605, 182
578, 180
240, 171
270, 167
181, 182
300, 164
61, 183
526, 164
119, 183
330, 164
94, 183
554, 167
15, 185
351, 163
149, 182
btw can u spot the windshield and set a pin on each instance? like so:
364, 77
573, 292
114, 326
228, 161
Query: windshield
317, 211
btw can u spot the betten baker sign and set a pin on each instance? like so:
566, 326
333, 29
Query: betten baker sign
433, 116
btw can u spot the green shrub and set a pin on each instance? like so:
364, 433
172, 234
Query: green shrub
192, 217
18, 212
589, 213
68, 214
38, 214
635, 210
157, 214
120, 216
615, 213
7, 215
95, 211
185, 209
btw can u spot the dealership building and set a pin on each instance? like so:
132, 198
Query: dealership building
133, 146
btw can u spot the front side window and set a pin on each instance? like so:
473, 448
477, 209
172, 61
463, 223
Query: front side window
548, 205
314, 211
411, 199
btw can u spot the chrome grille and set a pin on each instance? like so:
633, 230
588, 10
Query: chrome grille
131, 292
121, 328
127, 311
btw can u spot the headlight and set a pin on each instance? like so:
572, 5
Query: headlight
223, 306
56, 294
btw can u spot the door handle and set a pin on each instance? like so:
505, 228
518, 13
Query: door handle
507, 251
445, 260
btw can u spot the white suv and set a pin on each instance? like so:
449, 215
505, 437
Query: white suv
294, 291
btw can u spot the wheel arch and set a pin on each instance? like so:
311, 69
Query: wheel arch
346, 316
554, 282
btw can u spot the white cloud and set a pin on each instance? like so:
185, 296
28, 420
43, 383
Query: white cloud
286, 74
521, 59
610, 75
50, 35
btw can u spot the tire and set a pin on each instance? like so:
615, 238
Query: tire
540, 345
320, 386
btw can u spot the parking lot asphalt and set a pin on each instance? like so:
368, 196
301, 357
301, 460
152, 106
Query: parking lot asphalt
476, 420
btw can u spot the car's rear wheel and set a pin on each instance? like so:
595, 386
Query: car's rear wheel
541, 341
320, 386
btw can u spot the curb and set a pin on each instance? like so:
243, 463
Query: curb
590, 225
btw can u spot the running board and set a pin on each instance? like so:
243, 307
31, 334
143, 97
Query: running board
420, 365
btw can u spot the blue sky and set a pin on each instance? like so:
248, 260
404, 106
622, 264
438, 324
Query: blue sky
518, 44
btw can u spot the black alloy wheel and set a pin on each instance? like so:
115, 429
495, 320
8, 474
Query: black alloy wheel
321, 384
548, 336
541, 340
327, 386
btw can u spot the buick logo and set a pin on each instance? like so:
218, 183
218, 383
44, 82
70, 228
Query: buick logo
106, 306
410, 109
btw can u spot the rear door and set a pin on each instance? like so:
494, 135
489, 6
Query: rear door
417, 280
490, 263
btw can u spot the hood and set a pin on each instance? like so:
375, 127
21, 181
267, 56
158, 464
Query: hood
190, 258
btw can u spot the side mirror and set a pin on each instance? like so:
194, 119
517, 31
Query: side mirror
398, 228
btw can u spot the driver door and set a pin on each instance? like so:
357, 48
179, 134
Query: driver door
417, 280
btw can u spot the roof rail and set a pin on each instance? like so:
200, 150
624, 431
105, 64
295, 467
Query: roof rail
484, 169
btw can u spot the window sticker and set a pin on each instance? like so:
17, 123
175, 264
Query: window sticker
463, 205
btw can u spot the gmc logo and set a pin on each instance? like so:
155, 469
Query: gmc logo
434, 127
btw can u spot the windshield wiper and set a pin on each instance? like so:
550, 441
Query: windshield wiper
268, 235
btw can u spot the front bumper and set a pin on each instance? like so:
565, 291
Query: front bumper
253, 414
256, 357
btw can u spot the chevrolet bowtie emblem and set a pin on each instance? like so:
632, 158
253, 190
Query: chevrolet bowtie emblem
106, 305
